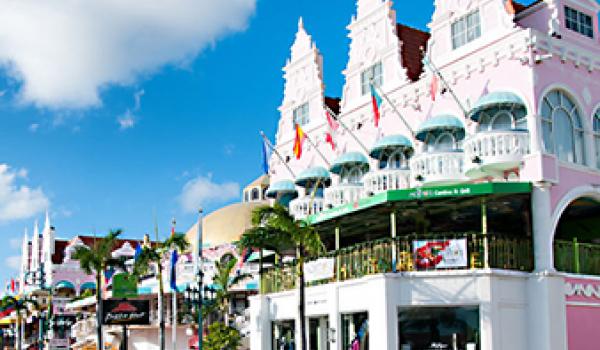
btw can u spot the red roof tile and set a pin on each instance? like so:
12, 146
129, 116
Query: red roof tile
413, 41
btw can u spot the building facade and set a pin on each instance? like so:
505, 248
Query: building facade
461, 211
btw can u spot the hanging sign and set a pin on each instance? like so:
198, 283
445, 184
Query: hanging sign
125, 312
440, 254
124, 286
320, 269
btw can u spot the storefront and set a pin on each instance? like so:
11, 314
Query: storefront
284, 335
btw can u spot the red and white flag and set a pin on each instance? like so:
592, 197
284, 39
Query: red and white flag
510, 7
433, 89
333, 126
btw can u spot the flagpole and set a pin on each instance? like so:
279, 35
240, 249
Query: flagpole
160, 306
387, 99
339, 120
174, 297
316, 149
437, 72
277, 154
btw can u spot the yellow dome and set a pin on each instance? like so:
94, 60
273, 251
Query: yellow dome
224, 225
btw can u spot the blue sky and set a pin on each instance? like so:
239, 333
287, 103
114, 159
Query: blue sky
106, 143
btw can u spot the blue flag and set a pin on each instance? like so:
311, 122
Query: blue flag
266, 152
138, 251
174, 258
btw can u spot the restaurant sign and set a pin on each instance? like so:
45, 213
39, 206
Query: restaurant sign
440, 254
321, 269
125, 312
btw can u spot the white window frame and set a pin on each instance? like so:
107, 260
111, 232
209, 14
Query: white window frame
548, 121
301, 115
579, 22
375, 73
465, 29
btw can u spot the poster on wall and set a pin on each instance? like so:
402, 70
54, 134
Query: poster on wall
440, 254
320, 269
128, 312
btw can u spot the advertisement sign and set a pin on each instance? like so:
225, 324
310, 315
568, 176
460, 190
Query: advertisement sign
125, 312
320, 269
440, 254
124, 286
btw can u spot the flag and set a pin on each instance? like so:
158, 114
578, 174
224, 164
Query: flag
173, 275
266, 155
172, 231
13, 286
138, 251
433, 89
509, 6
376, 101
333, 126
300, 137
108, 274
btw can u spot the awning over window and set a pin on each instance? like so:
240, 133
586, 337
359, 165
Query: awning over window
392, 142
313, 174
64, 285
281, 187
439, 124
348, 160
496, 99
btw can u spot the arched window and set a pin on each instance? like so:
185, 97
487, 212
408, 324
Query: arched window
444, 142
562, 129
393, 160
351, 175
255, 194
503, 119
246, 196
596, 125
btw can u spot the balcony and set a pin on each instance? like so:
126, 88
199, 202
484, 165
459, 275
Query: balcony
575, 257
438, 168
301, 208
398, 255
384, 180
341, 194
493, 152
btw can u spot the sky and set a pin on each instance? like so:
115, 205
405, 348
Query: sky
113, 113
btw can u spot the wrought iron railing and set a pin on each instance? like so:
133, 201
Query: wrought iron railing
575, 257
401, 255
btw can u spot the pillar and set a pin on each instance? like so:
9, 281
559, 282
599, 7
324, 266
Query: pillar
260, 323
543, 232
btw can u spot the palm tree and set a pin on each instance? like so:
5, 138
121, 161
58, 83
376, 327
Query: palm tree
275, 228
223, 283
18, 305
155, 255
96, 260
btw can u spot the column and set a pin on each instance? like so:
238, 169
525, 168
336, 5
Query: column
543, 232
260, 323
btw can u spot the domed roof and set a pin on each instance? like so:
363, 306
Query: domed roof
224, 225
444, 122
350, 159
390, 142
262, 181
498, 98
283, 186
314, 173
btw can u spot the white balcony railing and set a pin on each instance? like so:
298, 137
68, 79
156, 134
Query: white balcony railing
438, 168
303, 207
343, 194
388, 179
487, 153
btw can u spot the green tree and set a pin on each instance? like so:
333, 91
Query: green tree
19, 306
223, 281
96, 260
222, 337
276, 229
155, 255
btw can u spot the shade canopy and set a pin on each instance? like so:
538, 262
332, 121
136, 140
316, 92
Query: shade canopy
312, 175
350, 159
64, 285
391, 142
87, 286
439, 124
496, 99
281, 187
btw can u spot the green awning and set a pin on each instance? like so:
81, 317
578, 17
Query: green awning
422, 194
313, 174
390, 142
496, 99
64, 285
350, 159
280, 187
87, 286
439, 124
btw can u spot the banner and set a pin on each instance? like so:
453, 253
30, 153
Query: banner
124, 286
120, 312
320, 269
440, 254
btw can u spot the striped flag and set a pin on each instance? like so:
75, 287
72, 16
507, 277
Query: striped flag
376, 101
299, 141
266, 155
433, 88
333, 126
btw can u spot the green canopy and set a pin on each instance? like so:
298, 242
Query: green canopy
496, 99
441, 123
390, 142
350, 159
313, 174
280, 187
64, 285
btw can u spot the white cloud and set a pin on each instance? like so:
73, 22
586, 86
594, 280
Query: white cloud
64, 52
13, 262
34, 127
201, 191
126, 121
18, 201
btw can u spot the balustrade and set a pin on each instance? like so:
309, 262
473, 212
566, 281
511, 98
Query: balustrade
387, 179
438, 168
304, 207
341, 194
494, 151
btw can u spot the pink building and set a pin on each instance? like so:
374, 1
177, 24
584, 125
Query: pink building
495, 174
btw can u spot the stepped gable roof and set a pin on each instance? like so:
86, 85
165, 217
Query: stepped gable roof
333, 103
60, 245
412, 41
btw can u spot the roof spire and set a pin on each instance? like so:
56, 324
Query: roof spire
300, 24
47, 222
303, 43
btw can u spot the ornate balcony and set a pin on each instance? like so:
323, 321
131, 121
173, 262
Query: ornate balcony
341, 194
387, 179
492, 152
438, 168
303, 207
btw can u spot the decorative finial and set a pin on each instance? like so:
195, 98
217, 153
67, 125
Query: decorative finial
300, 23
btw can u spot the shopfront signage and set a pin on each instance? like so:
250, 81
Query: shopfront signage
440, 254
320, 269
124, 286
125, 312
